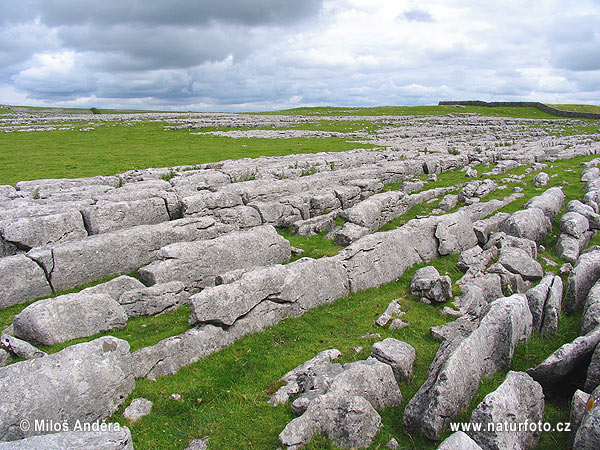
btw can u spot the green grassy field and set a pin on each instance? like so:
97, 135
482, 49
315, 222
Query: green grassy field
107, 150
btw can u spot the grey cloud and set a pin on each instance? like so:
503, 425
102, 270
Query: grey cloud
177, 12
416, 15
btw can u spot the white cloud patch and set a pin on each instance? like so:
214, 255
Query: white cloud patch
238, 55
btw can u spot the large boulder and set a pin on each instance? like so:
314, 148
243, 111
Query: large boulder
75, 263
67, 317
427, 284
349, 233
566, 359
585, 210
581, 279
115, 438
198, 263
518, 400
28, 232
550, 202
115, 288
591, 310
223, 304
109, 216
311, 282
349, 421
588, 434
485, 227
529, 223
85, 382
459, 441
519, 262
455, 233
21, 279
455, 374
399, 355
574, 224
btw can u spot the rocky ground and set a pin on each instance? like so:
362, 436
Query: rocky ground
207, 239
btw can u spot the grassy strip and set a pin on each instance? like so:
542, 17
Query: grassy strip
107, 150
518, 112
577, 108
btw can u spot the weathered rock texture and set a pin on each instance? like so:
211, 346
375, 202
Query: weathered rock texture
85, 382
455, 374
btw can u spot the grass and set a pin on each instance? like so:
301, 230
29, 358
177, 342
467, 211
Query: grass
577, 108
519, 112
109, 150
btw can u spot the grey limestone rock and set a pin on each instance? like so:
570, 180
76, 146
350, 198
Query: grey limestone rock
349, 233
519, 262
198, 263
223, 304
154, 300
28, 232
85, 382
581, 279
315, 225
108, 216
459, 441
198, 444
455, 232
591, 310
588, 434
529, 223
293, 377
455, 374
553, 307
518, 400
477, 189
541, 179
350, 422
20, 348
448, 202
21, 279
485, 227
115, 288
592, 379
309, 283
397, 354
169, 355
391, 311
585, 210
574, 224
476, 259
560, 363
5, 357
67, 317
75, 263
75, 440
137, 409
239, 217
550, 202
569, 247
429, 285
578, 404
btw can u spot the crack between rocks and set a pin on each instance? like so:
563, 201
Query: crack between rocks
47, 274
167, 208
86, 225
262, 219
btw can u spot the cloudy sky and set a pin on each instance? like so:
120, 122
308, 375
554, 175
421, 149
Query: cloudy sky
249, 55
